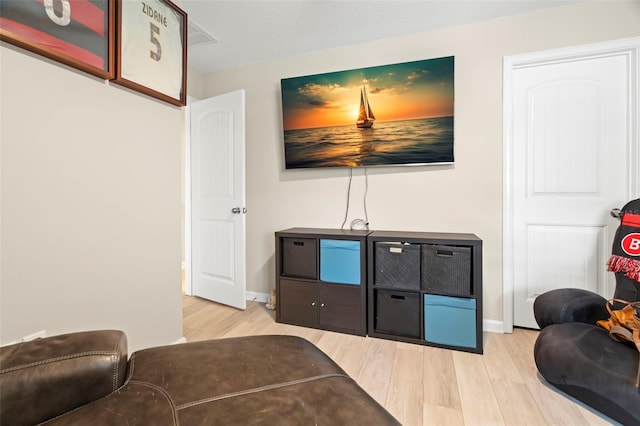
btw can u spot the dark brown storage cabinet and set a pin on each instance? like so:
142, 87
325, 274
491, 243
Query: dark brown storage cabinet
426, 288
321, 279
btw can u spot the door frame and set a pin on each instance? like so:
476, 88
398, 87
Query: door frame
188, 285
629, 47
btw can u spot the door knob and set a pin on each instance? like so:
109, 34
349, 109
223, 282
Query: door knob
235, 210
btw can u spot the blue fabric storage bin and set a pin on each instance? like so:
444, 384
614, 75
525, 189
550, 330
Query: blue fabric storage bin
450, 320
340, 261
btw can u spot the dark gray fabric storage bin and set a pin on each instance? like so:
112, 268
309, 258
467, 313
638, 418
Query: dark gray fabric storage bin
299, 257
446, 269
397, 265
397, 312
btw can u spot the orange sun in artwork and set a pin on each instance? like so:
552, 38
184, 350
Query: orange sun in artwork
354, 110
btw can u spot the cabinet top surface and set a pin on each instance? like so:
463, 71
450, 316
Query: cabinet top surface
382, 235
405, 235
324, 231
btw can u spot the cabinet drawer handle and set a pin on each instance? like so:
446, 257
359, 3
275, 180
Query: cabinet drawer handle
322, 304
313, 303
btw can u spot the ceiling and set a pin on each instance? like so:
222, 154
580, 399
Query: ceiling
249, 32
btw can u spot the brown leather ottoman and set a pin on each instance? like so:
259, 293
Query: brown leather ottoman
259, 380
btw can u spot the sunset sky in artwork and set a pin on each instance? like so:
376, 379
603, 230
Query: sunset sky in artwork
420, 89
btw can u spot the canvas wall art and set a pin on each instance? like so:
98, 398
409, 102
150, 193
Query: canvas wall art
389, 115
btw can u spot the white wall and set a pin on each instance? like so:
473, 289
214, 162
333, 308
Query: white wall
466, 197
90, 193
195, 81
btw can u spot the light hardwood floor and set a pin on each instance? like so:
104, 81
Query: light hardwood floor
419, 385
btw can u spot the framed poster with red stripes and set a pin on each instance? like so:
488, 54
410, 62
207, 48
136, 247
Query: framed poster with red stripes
79, 33
151, 49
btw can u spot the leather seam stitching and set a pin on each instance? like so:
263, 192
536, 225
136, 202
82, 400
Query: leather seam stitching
259, 389
174, 408
173, 405
52, 360
116, 362
572, 302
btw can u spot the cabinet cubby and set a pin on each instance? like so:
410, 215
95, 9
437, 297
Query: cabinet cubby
426, 288
321, 279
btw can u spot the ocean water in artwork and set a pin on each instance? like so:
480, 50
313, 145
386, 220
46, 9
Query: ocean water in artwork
417, 141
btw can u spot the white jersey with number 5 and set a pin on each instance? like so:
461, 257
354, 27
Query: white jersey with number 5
152, 46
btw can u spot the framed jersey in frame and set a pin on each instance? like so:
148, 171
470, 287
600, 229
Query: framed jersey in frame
151, 49
78, 33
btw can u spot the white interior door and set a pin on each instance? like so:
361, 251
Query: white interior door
571, 155
218, 248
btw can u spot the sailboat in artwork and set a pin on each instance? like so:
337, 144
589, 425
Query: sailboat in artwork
365, 116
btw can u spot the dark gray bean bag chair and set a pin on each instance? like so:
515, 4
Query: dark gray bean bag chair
578, 357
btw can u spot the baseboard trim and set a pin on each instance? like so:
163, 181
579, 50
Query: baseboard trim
180, 340
257, 297
493, 326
